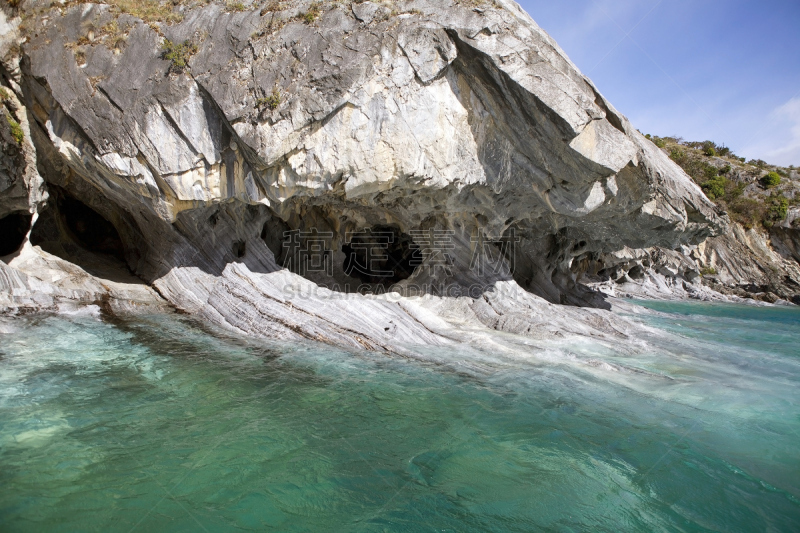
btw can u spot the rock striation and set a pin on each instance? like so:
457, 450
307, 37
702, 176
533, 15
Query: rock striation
457, 139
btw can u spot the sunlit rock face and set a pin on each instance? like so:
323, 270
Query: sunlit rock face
436, 121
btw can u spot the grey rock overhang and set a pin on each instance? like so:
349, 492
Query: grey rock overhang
443, 112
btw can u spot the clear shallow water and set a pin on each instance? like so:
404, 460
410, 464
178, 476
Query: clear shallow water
155, 425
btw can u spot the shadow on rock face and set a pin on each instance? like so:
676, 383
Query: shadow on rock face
438, 257
787, 240
13, 229
552, 266
218, 235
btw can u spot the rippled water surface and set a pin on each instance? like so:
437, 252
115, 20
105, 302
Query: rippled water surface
156, 425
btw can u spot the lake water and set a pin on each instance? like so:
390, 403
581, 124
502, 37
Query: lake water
157, 425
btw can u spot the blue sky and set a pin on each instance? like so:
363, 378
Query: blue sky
724, 70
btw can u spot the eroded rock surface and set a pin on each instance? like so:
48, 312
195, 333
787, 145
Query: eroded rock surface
739, 266
438, 119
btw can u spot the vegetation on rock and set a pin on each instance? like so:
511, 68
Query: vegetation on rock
272, 101
778, 208
738, 187
708, 271
115, 35
773, 179
715, 187
16, 129
313, 13
149, 11
235, 6
178, 54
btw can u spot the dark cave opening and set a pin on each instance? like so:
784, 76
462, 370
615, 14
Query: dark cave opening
89, 228
13, 229
74, 232
381, 255
636, 273
274, 233
239, 249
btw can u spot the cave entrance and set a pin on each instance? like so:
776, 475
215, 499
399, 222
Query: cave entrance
13, 229
381, 255
73, 231
377, 256
89, 229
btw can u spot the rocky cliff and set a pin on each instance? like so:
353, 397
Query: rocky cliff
366, 174
756, 259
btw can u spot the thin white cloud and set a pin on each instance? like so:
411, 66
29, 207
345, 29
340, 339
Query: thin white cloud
789, 152
778, 140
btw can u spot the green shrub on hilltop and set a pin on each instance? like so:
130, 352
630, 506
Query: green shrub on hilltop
726, 186
773, 179
747, 212
715, 187
752, 213
710, 171
735, 192
678, 155
777, 209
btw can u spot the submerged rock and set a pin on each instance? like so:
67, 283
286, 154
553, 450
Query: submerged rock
450, 160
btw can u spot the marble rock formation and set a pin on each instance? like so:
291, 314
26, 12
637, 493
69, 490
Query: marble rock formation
250, 186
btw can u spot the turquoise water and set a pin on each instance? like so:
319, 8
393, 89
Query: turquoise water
156, 425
